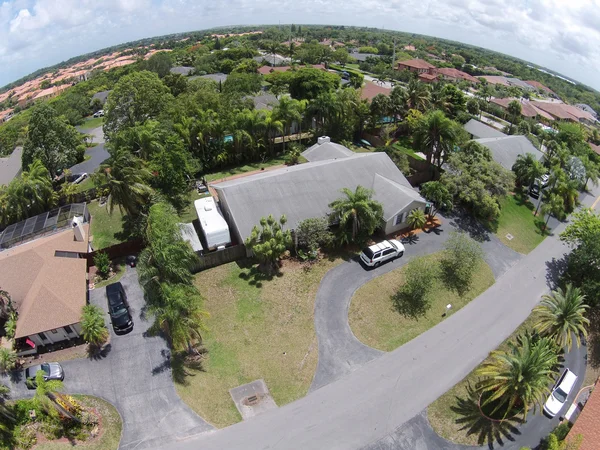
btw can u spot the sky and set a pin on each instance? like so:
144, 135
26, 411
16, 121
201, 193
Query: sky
562, 35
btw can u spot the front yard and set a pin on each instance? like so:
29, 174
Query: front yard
258, 328
517, 220
376, 323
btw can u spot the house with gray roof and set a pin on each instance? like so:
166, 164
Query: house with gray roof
361, 57
587, 108
305, 191
325, 149
479, 130
10, 167
505, 150
216, 77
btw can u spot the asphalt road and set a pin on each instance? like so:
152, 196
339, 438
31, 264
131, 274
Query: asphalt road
97, 154
374, 400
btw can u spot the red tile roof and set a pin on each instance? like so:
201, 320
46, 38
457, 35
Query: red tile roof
416, 64
538, 85
370, 90
457, 74
595, 147
494, 79
427, 77
557, 110
588, 423
527, 108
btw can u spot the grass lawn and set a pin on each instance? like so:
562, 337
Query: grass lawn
258, 328
92, 123
376, 323
407, 151
85, 185
110, 431
106, 229
517, 219
353, 66
188, 214
245, 168
440, 414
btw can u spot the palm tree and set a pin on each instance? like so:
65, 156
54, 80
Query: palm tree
45, 393
287, 112
514, 109
272, 127
527, 169
125, 175
519, 376
417, 95
8, 360
6, 305
93, 326
358, 214
417, 219
436, 136
323, 108
553, 205
562, 316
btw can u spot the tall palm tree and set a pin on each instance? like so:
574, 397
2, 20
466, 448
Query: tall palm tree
514, 109
126, 176
7, 416
287, 112
417, 95
45, 393
93, 326
323, 108
272, 127
8, 359
436, 136
562, 316
357, 213
527, 168
519, 376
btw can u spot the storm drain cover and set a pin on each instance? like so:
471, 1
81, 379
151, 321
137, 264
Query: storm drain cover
510, 237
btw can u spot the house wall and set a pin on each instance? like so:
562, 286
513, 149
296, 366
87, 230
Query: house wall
57, 335
392, 227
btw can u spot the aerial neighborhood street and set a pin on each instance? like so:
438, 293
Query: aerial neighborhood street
299, 236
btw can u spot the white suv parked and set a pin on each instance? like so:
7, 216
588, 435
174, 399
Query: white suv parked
560, 392
377, 254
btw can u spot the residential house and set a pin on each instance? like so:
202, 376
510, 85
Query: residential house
370, 90
527, 108
305, 191
496, 79
6, 115
520, 84
47, 281
416, 65
361, 57
216, 77
428, 77
265, 101
452, 74
265, 70
583, 107
10, 167
562, 111
540, 87
428, 73
479, 130
595, 147
505, 150
587, 424
274, 60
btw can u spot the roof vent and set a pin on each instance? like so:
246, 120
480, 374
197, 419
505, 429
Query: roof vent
207, 207
323, 140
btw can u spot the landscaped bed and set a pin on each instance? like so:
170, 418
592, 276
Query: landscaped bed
375, 321
258, 328
517, 220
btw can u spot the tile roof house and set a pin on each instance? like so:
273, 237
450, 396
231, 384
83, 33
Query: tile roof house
10, 167
565, 112
47, 280
305, 191
453, 74
370, 90
595, 147
505, 150
587, 424
496, 79
527, 108
540, 87
416, 65
479, 130
582, 106
428, 77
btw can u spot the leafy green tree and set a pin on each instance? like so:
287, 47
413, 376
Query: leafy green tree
269, 242
102, 263
7, 417
553, 205
439, 196
583, 229
436, 136
6, 304
176, 83
126, 179
461, 258
520, 375
313, 233
514, 110
306, 83
10, 327
473, 106
172, 166
380, 107
51, 140
136, 97
242, 83
523, 128
8, 360
455, 100
562, 316
527, 169
160, 63
341, 56
416, 219
288, 112
412, 299
357, 214
92, 325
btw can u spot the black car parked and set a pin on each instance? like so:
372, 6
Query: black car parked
118, 308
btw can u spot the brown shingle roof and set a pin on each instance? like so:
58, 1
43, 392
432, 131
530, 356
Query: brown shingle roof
494, 79
416, 64
457, 74
595, 147
558, 110
588, 423
538, 85
527, 108
371, 90
48, 291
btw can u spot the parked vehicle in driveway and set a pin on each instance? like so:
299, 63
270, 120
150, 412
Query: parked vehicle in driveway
99, 113
375, 255
118, 308
560, 392
52, 371
535, 189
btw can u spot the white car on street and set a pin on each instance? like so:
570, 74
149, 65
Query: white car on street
375, 255
560, 392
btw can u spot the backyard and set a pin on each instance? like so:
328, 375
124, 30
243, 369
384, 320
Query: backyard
106, 229
258, 328
375, 321
517, 220
215, 176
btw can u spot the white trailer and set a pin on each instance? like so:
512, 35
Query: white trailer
214, 227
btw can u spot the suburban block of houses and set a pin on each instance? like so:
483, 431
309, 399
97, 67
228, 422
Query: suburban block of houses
305, 191
428, 73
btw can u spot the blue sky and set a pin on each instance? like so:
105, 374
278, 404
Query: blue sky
559, 34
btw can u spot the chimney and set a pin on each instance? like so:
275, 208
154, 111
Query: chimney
323, 140
78, 229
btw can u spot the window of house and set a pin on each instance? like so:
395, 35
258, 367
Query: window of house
68, 329
400, 218
54, 331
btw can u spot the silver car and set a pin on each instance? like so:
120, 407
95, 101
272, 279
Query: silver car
52, 371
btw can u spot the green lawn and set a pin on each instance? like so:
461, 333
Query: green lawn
443, 418
353, 66
92, 123
406, 150
258, 328
517, 219
110, 428
85, 185
245, 168
376, 323
188, 214
106, 229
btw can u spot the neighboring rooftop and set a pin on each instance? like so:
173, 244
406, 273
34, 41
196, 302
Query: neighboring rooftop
451, 72
520, 83
362, 56
217, 77
416, 64
265, 100
325, 149
306, 190
48, 290
527, 108
480, 130
496, 79
588, 423
370, 90
189, 234
10, 166
505, 150
588, 109
540, 86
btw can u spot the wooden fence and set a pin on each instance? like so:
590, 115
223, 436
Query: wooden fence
219, 257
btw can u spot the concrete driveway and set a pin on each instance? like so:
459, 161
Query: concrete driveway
135, 376
97, 155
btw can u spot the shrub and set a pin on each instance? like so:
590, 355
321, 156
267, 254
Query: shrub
412, 299
461, 257
8, 360
25, 437
314, 233
102, 263
269, 242
10, 327
92, 325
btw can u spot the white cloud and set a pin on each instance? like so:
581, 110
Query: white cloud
556, 33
